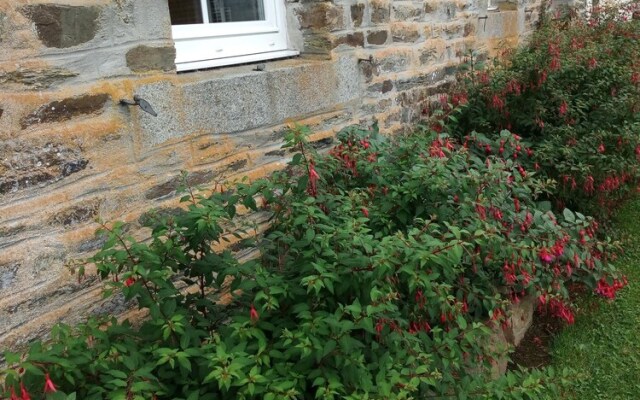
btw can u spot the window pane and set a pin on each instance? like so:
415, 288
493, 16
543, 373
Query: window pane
185, 12
236, 10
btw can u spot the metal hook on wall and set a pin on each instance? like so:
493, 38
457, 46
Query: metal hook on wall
485, 18
142, 103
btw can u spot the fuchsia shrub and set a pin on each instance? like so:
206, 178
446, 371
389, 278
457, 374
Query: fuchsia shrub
574, 93
387, 265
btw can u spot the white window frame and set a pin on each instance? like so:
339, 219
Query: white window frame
210, 45
491, 5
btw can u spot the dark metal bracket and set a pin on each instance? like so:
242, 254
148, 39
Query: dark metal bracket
139, 101
485, 18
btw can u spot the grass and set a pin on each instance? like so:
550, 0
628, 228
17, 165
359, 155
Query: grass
603, 346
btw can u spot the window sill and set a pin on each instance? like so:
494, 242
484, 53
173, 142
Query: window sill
222, 62
239, 99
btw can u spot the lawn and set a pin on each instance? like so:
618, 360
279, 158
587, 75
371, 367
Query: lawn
603, 346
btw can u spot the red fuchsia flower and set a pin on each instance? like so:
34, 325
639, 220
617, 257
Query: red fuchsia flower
515, 298
542, 78
561, 310
588, 185
24, 393
509, 273
130, 281
459, 99
49, 387
497, 102
436, 149
365, 212
522, 172
545, 256
637, 151
313, 180
420, 299
601, 148
380, 326
497, 314
593, 63
609, 291
513, 86
635, 78
568, 269
14, 396
253, 314
528, 220
482, 212
558, 249
542, 300
555, 64
536, 166
448, 145
563, 108
516, 204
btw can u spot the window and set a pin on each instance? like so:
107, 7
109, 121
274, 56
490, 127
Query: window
213, 33
491, 5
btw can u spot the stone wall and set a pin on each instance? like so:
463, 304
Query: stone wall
71, 153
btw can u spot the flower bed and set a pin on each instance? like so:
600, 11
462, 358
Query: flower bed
384, 261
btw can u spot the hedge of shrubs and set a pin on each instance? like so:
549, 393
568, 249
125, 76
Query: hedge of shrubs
388, 263
384, 262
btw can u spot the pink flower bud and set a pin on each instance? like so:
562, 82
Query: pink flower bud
253, 314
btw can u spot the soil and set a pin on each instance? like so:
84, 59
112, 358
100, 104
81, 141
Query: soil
534, 350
